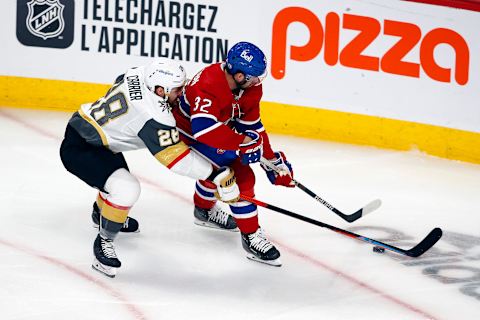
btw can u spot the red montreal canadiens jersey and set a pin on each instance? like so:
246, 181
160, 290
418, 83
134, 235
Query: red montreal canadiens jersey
209, 112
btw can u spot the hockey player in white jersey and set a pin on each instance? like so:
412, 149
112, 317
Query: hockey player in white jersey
135, 113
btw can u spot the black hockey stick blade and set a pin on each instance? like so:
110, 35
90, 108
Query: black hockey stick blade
426, 243
422, 247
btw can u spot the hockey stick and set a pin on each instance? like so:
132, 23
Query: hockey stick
414, 252
374, 205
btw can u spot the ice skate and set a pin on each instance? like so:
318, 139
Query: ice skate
260, 249
214, 218
129, 226
105, 260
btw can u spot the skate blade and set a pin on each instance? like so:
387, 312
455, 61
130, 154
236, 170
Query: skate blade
212, 226
103, 269
276, 263
136, 231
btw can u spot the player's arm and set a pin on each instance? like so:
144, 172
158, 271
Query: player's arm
244, 124
251, 120
164, 143
206, 128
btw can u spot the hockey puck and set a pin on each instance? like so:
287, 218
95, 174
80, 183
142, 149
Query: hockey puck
378, 249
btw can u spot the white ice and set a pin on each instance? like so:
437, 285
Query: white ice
174, 269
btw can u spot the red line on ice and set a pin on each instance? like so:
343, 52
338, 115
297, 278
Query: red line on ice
130, 307
357, 282
294, 252
323, 265
27, 125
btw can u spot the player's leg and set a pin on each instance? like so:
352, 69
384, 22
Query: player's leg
122, 190
96, 174
207, 211
254, 241
108, 172
130, 226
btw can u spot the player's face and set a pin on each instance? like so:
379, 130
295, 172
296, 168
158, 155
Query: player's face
250, 81
174, 94
243, 83
160, 92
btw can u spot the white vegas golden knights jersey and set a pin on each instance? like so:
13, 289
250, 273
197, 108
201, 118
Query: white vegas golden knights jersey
131, 117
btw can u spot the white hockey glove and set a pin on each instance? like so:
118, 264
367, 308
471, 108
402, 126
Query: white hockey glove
227, 188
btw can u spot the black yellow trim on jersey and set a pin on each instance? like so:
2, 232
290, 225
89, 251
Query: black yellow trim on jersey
164, 142
171, 155
94, 124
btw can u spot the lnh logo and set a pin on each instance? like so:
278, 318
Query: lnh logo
351, 55
46, 23
42, 15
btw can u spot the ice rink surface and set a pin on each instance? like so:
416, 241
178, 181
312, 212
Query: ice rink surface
174, 269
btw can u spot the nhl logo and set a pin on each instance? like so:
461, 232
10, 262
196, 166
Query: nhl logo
45, 18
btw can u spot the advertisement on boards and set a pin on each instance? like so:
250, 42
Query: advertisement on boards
382, 58
104, 37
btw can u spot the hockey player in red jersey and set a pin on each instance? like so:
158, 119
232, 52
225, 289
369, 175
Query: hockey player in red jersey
135, 113
219, 116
